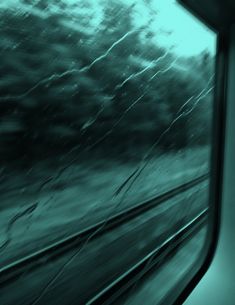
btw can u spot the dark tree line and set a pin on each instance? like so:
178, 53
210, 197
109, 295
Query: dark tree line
57, 96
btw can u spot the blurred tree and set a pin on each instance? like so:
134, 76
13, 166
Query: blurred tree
72, 79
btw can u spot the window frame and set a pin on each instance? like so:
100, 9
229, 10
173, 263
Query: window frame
183, 289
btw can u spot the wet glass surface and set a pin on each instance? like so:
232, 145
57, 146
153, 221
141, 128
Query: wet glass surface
103, 105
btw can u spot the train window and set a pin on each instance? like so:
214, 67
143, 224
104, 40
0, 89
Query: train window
105, 141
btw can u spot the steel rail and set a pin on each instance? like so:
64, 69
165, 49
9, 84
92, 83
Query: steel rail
38, 258
157, 257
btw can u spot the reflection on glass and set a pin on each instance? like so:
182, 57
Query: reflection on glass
104, 104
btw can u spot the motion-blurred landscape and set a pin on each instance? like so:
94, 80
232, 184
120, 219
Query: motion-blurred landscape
95, 114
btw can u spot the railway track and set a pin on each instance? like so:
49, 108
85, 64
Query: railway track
157, 257
12, 271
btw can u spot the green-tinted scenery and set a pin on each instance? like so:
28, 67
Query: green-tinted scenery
104, 104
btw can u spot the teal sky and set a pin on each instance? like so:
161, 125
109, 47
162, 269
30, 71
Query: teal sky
174, 27
179, 29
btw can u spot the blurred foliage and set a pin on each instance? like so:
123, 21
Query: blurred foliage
56, 97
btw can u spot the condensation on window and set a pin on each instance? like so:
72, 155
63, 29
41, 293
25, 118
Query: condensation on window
104, 104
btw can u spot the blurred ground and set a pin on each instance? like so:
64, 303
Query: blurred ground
36, 213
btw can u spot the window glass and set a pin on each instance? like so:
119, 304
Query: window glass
104, 104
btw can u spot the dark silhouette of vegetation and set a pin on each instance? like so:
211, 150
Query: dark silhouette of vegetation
58, 98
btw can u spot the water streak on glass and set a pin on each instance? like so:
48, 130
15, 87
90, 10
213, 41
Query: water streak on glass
103, 105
